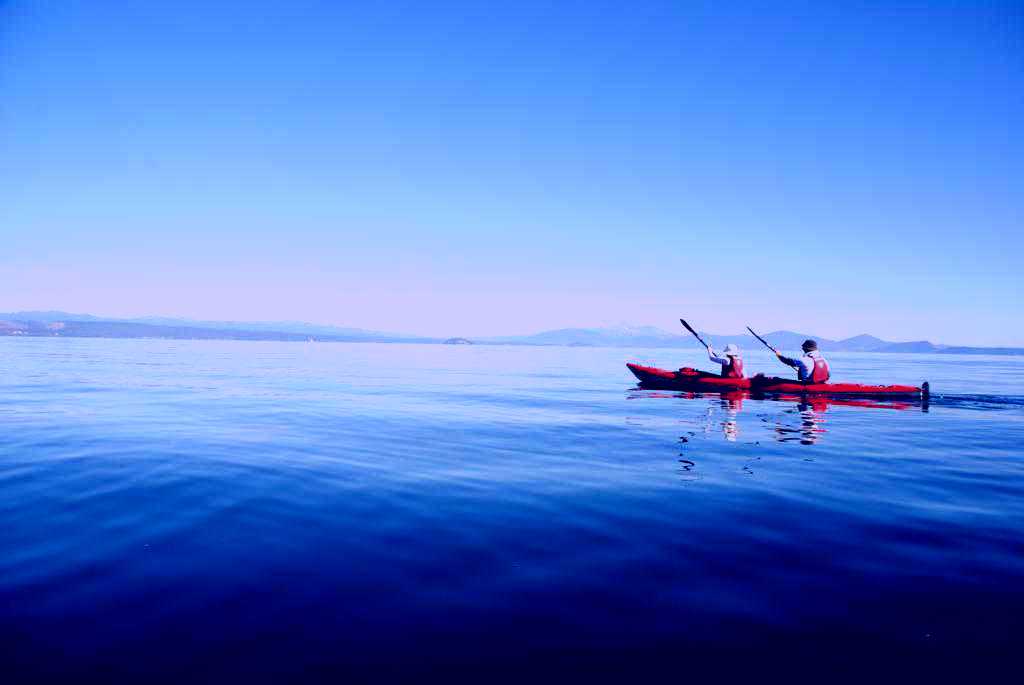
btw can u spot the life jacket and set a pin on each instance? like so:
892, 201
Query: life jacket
821, 372
734, 369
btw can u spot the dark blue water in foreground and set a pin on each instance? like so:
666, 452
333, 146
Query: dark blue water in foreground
265, 512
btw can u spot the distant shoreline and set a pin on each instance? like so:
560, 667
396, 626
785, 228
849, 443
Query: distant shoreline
62, 324
126, 331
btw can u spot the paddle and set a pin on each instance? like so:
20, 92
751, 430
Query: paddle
762, 340
687, 326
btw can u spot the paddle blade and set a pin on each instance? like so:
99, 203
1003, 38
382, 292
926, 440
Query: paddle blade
683, 321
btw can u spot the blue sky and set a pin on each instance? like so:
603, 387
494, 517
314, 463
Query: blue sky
487, 168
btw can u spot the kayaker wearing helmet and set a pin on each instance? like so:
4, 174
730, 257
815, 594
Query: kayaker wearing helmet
732, 365
812, 367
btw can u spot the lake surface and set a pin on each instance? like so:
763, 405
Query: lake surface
286, 512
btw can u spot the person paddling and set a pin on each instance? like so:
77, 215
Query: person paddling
812, 367
732, 364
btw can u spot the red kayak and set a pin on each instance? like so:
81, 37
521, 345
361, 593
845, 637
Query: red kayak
692, 379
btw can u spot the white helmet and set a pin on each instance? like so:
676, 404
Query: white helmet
731, 350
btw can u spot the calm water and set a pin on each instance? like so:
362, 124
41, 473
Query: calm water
281, 512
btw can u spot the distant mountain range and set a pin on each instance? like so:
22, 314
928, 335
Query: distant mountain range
650, 336
87, 326
51, 323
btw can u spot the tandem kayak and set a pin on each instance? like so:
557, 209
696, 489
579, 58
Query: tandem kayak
702, 381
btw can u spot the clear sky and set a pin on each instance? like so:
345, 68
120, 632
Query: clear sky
488, 168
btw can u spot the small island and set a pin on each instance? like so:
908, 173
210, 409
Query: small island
458, 341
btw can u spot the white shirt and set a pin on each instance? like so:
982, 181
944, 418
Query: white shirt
718, 360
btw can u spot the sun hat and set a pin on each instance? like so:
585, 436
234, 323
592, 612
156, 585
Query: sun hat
731, 350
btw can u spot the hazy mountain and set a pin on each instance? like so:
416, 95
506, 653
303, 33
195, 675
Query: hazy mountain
47, 317
274, 328
639, 336
962, 349
781, 340
861, 343
784, 341
54, 323
81, 327
650, 336
916, 346
299, 327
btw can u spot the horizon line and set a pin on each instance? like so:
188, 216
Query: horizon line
207, 323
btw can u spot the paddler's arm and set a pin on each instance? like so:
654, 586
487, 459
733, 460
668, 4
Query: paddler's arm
715, 358
787, 361
802, 369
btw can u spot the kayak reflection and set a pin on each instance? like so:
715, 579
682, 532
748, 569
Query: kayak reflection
804, 422
808, 428
820, 403
730, 405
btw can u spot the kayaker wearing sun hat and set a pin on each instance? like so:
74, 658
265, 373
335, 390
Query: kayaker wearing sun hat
732, 364
812, 367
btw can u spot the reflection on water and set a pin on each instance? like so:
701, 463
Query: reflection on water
799, 419
810, 425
